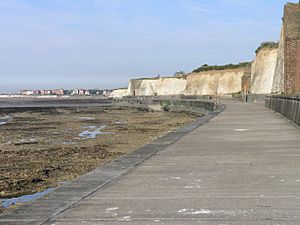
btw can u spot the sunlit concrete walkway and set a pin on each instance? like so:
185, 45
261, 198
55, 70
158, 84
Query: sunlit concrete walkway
240, 168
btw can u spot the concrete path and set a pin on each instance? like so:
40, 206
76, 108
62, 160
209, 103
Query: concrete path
240, 168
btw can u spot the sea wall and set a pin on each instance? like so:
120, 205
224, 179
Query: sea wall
288, 106
170, 103
263, 71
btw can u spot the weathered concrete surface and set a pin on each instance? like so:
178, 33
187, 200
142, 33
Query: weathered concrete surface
288, 106
242, 167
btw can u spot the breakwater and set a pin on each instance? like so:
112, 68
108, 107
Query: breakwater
288, 106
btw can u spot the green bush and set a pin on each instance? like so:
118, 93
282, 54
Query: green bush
179, 73
166, 106
267, 44
206, 67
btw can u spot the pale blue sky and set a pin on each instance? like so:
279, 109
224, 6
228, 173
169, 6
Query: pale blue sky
104, 43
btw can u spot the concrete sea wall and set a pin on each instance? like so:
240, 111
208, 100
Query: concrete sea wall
288, 106
170, 103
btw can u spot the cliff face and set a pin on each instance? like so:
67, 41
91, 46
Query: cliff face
203, 83
119, 93
278, 82
266, 76
157, 86
214, 82
263, 70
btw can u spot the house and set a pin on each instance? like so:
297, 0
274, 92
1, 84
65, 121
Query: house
81, 92
58, 92
37, 92
46, 92
106, 93
27, 92
84, 92
75, 92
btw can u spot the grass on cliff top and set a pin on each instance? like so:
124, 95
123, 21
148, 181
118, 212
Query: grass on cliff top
156, 78
267, 44
206, 67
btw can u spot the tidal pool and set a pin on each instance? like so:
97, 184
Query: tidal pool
25, 198
86, 118
93, 133
4, 120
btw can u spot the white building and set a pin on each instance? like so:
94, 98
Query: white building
75, 92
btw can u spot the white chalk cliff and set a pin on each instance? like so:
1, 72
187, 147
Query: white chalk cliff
263, 71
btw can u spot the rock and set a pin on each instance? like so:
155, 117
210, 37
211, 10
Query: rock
155, 108
26, 142
36, 180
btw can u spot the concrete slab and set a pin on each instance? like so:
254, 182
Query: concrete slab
242, 167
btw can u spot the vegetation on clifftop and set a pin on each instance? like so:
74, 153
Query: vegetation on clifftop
267, 44
206, 67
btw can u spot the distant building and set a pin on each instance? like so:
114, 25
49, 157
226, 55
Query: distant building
27, 92
84, 92
46, 92
81, 92
58, 92
106, 93
37, 92
75, 92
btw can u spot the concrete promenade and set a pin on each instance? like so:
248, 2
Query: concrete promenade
240, 168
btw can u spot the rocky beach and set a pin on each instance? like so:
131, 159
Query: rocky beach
44, 148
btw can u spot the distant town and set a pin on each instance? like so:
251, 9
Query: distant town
61, 92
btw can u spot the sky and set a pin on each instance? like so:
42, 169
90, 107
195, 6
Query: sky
47, 44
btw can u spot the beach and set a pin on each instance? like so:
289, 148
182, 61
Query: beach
45, 148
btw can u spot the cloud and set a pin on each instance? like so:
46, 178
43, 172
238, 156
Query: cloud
68, 42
